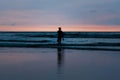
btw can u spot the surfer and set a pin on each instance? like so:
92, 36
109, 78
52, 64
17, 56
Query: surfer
60, 35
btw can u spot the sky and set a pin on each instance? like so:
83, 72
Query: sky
48, 15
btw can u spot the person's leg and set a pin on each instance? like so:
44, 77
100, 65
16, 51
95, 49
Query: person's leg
59, 40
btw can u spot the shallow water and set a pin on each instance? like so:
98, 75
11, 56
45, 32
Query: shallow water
58, 64
22, 38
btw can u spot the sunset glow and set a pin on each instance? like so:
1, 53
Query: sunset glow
64, 28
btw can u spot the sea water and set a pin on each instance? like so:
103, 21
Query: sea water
85, 56
71, 39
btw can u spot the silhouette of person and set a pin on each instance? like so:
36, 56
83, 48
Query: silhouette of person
60, 35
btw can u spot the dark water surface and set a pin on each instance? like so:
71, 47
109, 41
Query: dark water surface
58, 64
76, 40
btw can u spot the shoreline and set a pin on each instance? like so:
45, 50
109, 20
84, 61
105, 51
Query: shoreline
67, 47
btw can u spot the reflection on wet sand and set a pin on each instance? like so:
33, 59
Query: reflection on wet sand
60, 61
60, 56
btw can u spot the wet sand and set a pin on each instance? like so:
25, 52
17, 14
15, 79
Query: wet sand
58, 64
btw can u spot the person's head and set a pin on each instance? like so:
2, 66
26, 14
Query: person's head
59, 28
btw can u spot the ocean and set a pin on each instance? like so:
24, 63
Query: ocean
74, 40
81, 56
